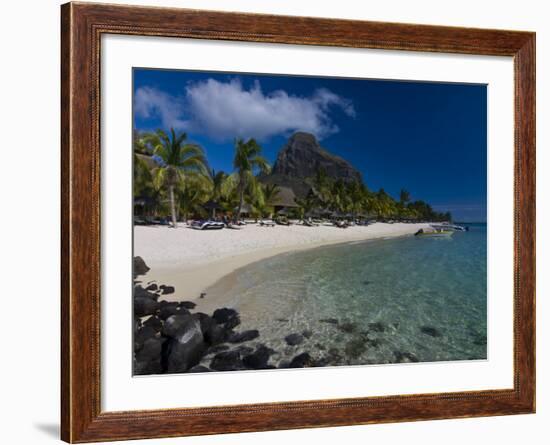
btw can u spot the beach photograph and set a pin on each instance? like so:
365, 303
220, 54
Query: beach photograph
284, 222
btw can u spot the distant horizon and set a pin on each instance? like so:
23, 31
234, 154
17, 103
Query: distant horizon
428, 138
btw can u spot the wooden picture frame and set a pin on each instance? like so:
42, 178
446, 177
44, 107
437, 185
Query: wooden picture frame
82, 26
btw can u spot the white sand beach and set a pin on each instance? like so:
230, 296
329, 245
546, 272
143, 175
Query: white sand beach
194, 260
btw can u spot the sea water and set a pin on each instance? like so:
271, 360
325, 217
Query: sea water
380, 301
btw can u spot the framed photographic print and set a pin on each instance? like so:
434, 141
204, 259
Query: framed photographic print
278, 222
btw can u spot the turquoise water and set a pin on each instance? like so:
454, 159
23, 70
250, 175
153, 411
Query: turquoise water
382, 301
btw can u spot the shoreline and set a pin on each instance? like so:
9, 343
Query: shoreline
194, 268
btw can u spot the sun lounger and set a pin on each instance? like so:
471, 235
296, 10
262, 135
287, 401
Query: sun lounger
310, 223
207, 225
267, 223
233, 226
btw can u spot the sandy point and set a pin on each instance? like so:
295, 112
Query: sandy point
193, 260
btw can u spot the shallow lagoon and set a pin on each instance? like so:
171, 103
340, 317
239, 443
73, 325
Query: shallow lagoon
383, 301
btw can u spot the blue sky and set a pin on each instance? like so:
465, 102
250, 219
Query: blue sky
430, 138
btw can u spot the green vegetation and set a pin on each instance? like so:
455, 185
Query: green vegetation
172, 177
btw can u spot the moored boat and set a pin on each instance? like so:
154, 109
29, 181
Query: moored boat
434, 232
448, 226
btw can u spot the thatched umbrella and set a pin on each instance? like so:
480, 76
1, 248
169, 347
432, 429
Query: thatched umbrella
245, 209
213, 206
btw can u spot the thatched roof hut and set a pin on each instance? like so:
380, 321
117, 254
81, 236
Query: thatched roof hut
285, 198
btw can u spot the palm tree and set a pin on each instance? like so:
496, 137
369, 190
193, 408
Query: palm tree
175, 160
270, 193
322, 184
357, 192
306, 205
404, 196
195, 192
247, 162
217, 179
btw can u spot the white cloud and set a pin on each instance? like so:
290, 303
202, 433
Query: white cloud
225, 110
150, 102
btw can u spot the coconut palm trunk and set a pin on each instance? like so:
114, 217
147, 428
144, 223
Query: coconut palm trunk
172, 205
246, 162
241, 202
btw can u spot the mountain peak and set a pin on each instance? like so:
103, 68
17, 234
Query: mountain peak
301, 137
301, 158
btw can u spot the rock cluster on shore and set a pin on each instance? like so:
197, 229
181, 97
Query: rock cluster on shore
169, 338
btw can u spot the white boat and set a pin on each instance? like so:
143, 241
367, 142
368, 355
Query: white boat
448, 226
434, 232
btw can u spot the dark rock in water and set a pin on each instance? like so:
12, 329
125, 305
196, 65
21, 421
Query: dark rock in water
168, 309
148, 367
307, 333
373, 342
174, 323
347, 327
216, 334
479, 339
333, 357
153, 322
394, 326
228, 317
152, 287
244, 350
165, 290
145, 306
355, 348
140, 268
227, 361
188, 304
323, 361
140, 292
480, 342
366, 282
377, 326
303, 360
217, 348
405, 357
223, 315
233, 323
142, 335
431, 331
259, 358
282, 320
151, 350
205, 321
294, 339
329, 320
240, 337
199, 368
184, 350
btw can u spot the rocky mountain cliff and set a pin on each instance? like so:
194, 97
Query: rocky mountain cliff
301, 158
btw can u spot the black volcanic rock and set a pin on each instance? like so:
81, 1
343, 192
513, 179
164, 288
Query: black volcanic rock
241, 337
301, 158
140, 268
